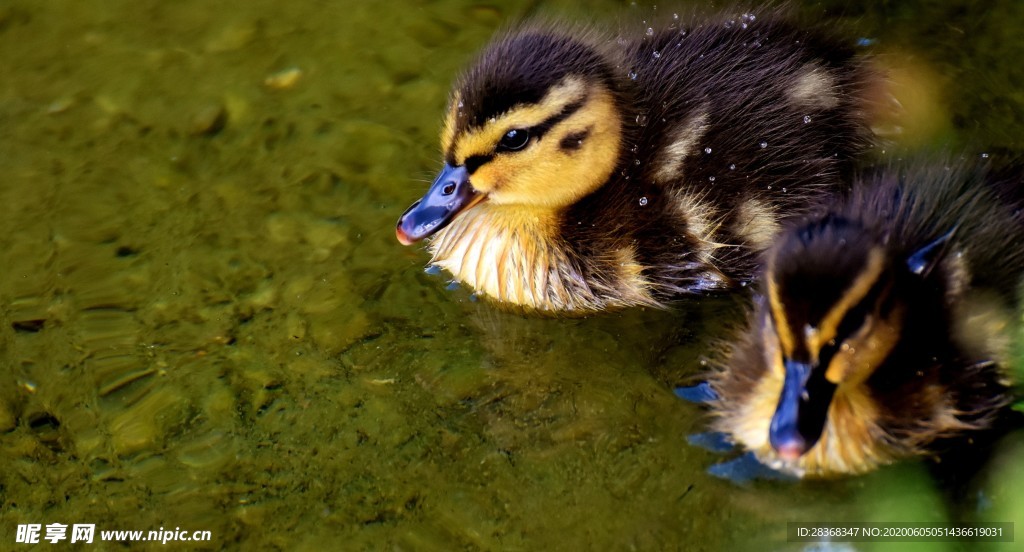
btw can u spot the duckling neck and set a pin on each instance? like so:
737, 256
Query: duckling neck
515, 255
852, 441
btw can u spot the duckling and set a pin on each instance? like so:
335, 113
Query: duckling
882, 324
583, 174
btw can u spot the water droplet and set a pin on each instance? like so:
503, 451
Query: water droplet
732, 167
636, 162
643, 201
707, 151
461, 104
748, 17
711, 178
764, 145
675, 17
769, 186
656, 55
635, 148
729, 24
783, 190
984, 156
632, 75
650, 31
807, 119
641, 119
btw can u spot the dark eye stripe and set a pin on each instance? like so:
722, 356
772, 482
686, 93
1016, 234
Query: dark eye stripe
574, 141
852, 321
854, 317
474, 162
565, 113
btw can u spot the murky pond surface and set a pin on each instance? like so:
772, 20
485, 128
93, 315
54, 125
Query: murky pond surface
206, 321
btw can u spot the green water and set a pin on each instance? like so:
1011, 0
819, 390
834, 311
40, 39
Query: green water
207, 323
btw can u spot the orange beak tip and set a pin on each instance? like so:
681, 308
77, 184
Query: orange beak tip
403, 238
790, 453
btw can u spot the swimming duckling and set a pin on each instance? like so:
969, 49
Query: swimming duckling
584, 173
882, 324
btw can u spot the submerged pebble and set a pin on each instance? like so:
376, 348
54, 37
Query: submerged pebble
209, 121
283, 80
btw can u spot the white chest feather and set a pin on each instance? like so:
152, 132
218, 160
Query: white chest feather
513, 257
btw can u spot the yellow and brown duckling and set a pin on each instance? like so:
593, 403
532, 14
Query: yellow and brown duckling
881, 326
584, 173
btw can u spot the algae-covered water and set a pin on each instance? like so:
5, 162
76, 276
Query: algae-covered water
206, 322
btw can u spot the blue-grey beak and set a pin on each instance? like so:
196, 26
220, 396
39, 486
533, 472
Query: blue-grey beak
802, 410
450, 194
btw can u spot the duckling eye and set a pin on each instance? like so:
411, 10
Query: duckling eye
514, 140
448, 188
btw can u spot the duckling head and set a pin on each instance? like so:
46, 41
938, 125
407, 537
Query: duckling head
532, 127
832, 318
853, 356
802, 387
